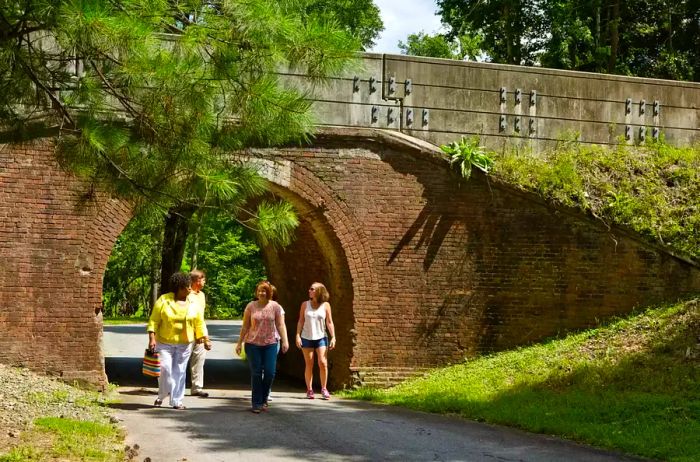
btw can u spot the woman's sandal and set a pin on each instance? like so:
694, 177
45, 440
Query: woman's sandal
255, 410
158, 402
180, 407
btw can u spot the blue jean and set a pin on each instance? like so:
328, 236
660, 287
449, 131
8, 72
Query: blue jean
263, 363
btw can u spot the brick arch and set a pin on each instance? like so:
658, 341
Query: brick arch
425, 269
330, 247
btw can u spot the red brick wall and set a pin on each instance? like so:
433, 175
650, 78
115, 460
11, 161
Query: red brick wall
423, 268
440, 269
54, 246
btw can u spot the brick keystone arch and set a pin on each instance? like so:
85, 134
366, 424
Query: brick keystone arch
423, 268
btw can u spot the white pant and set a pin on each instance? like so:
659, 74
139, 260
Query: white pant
173, 370
199, 353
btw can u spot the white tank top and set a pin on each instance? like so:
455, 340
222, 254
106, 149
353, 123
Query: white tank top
314, 322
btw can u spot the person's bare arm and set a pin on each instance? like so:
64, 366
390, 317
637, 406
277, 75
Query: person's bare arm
300, 325
282, 329
244, 330
330, 326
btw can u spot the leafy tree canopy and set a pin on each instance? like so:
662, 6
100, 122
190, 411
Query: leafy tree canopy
360, 17
440, 46
647, 38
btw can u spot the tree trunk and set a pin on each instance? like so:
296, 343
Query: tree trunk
614, 35
195, 245
177, 223
510, 46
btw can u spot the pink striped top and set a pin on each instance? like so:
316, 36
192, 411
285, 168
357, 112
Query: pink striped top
263, 330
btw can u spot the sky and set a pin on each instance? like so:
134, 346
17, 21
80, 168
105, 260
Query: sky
404, 17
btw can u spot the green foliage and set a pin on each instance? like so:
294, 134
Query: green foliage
466, 153
360, 17
275, 223
653, 189
512, 30
633, 385
224, 248
229, 254
649, 38
439, 46
133, 267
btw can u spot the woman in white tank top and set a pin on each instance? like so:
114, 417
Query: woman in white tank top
314, 320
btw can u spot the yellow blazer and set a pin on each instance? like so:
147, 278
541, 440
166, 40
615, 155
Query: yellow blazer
176, 323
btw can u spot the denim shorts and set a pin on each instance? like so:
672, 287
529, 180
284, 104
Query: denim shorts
322, 342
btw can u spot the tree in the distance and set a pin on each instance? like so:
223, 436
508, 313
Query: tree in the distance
230, 254
646, 38
360, 18
511, 30
439, 46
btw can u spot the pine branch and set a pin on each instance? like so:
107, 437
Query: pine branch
34, 78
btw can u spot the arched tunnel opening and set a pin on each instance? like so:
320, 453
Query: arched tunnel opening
315, 255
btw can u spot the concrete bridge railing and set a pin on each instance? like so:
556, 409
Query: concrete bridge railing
439, 101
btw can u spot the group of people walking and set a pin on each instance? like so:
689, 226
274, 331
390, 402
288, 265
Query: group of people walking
177, 332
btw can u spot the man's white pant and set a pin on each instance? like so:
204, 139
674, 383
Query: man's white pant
199, 353
173, 370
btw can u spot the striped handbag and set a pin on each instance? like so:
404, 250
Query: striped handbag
151, 363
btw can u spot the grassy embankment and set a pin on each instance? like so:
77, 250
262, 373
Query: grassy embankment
633, 385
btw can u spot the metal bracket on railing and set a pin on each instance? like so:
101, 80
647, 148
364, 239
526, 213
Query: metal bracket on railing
372, 85
355, 84
409, 117
407, 87
392, 86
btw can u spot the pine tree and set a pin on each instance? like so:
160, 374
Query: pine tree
151, 100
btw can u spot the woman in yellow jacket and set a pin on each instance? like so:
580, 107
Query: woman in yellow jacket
174, 325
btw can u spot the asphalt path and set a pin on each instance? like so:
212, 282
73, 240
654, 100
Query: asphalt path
222, 428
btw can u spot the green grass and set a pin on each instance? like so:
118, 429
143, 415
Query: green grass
52, 437
124, 320
55, 438
653, 190
633, 385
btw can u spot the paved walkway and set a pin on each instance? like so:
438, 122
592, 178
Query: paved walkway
221, 427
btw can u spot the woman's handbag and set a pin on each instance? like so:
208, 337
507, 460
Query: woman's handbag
151, 363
